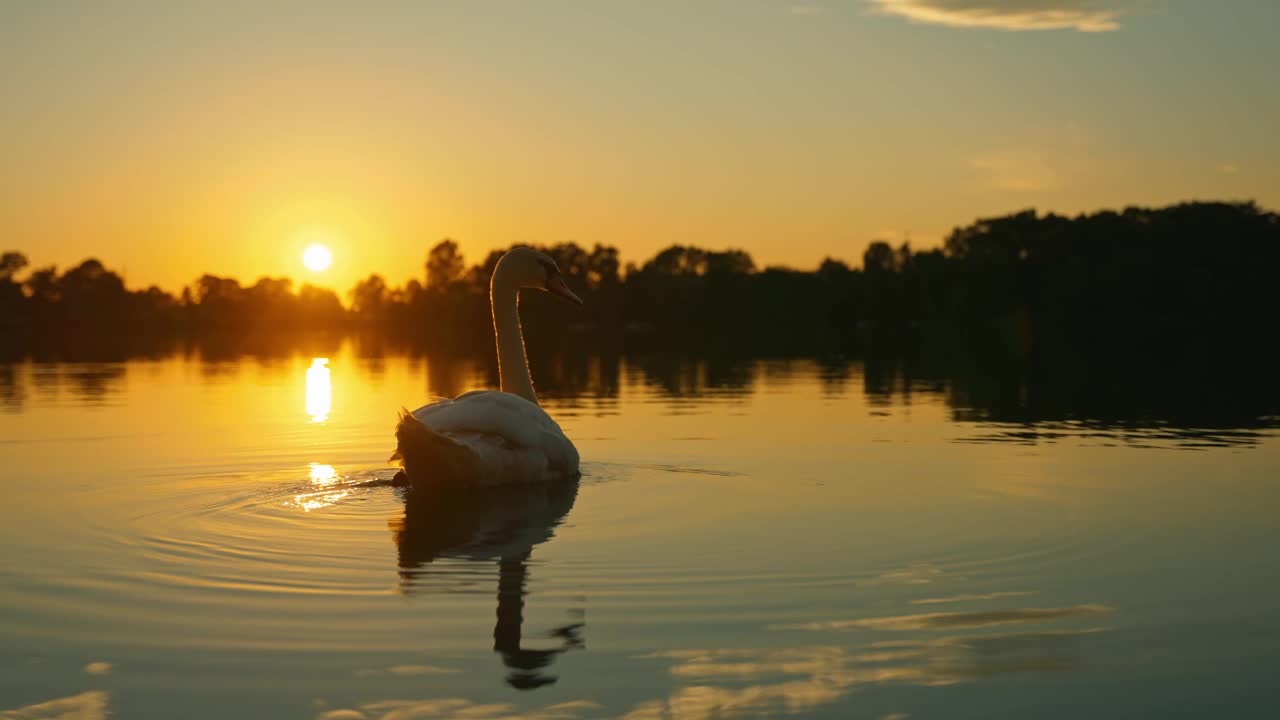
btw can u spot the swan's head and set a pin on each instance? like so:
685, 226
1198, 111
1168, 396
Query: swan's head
524, 267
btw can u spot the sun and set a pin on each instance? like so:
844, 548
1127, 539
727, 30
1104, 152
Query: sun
317, 258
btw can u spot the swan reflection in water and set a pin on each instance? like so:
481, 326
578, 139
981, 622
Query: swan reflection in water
502, 525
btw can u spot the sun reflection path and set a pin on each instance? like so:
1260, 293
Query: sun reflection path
323, 474
323, 478
319, 390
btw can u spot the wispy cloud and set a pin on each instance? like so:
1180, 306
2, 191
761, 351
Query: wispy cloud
1014, 171
1081, 15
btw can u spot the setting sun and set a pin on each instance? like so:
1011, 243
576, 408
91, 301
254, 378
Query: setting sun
317, 258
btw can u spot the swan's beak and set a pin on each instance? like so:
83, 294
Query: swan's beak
556, 286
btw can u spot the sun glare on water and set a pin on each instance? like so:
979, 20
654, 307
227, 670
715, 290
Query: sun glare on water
317, 258
319, 390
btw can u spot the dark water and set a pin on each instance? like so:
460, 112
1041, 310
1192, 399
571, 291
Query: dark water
750, 538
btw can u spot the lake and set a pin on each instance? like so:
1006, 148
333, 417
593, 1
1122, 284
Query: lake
202, 537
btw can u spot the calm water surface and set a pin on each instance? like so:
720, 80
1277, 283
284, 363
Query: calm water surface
197, 539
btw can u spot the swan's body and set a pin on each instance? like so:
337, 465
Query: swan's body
482, 438
493, 437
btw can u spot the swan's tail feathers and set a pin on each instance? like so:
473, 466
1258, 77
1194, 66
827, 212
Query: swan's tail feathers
427, 454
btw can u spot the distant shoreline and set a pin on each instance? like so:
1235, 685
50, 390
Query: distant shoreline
1194, 270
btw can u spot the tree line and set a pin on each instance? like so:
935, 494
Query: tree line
1193, 270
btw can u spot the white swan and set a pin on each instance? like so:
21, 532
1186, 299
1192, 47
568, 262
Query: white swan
489, 437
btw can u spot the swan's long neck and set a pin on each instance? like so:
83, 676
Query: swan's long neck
513, 366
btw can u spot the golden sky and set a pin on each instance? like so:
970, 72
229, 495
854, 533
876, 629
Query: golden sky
175, 138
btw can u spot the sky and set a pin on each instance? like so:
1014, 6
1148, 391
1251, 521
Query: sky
171, 139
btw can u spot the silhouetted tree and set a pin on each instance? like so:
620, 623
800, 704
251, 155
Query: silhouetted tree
42, 285
10, 264
445, 265
370, 297
11, 297
729, 262
603, 267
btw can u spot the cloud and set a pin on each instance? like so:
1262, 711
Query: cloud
1014, 171
1081, 15
1228, 168
98, 668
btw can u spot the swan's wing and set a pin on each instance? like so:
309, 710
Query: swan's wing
504, 431
494, 461
491, 412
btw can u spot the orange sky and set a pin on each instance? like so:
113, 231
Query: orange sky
171, 141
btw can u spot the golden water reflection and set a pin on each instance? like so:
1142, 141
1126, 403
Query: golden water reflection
324, 478
727, 683
322, 474
319, 390
90, 705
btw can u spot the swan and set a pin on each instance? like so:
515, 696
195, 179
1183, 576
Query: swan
494, 437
